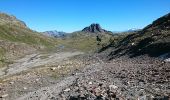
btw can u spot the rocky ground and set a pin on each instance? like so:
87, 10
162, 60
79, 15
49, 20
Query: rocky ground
141, 78
91, 77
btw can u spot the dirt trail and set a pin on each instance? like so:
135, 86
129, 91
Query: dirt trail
35, 60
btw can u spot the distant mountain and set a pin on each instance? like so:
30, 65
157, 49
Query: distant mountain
127, 31
94, 28
56, 34
133, 30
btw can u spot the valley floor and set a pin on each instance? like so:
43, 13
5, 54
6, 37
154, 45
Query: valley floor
78, 76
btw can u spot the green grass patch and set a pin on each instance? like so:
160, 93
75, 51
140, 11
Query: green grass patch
15, 33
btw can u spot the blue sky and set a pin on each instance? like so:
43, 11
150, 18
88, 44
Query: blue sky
73, 15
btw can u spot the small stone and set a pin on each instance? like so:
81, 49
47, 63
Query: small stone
59, 66
25, 88
11, 82
133, 44
152, 96
90, 83
4, 96
162, 62
37, 80
53, 68
67, 90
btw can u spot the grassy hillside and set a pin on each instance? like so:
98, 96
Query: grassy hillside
15, 33
16, 39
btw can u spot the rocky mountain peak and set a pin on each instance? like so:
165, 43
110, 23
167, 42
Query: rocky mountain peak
94, 28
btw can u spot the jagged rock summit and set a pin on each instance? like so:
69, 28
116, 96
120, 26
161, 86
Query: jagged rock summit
94, 28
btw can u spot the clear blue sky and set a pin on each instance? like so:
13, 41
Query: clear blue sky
73, 15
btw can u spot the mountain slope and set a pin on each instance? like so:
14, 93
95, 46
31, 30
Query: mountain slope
14, 30
16, 39
153, 40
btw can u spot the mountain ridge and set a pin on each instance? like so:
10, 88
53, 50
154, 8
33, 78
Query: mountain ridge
153, 40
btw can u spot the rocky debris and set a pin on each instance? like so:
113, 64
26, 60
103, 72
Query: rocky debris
99, 91
141, 78
94, 28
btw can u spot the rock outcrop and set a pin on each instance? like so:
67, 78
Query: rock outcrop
94, 28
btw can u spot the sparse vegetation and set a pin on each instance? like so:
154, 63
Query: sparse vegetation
85, 42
